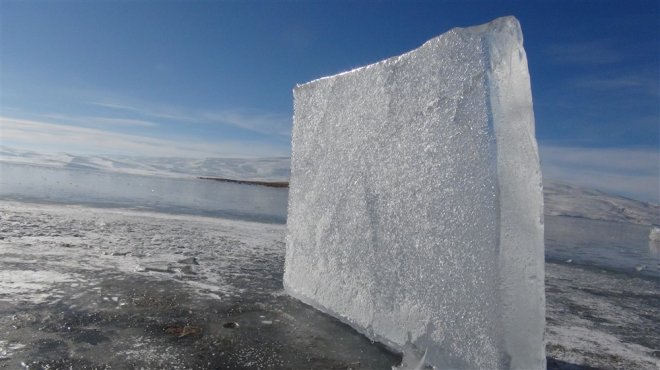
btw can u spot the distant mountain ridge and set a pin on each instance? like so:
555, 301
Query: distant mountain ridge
262, 169
561, 199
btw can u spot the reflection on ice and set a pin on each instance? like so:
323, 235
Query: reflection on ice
7, 349
174, 195
654, 243
31, 285
617, 246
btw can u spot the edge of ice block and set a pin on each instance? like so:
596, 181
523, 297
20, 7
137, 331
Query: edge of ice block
482, 28
522, 260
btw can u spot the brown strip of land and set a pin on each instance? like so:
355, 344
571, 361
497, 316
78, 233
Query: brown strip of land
272, 184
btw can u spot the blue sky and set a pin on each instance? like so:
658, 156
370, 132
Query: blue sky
215, 78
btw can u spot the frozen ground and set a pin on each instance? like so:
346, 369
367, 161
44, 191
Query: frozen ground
102, 288
602, 319
110, 288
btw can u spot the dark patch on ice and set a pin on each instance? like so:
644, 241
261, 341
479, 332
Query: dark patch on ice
90, 336
183, 330
49, 349
555, 364
583, 311
189, 261
652, 298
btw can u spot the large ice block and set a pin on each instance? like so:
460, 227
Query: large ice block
415, 202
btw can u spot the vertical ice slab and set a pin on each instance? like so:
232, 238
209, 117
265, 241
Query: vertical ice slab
415, 203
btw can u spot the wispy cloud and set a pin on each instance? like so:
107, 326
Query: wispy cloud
168, 113
49, 136
257, 122
629, 172
594, 52
116, 106
643, 81
276, 124
98, 121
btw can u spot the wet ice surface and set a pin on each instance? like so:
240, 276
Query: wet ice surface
101, 288
87, 287
602, 319
618, 246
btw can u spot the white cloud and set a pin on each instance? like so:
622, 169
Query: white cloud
641, 80
257, 122
276, 124
155, 112
630, 172
46, 136
594, 52
99, 121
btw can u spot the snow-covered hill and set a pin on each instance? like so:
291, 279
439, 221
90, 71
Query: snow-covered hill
568, 200
264, 169
561, 199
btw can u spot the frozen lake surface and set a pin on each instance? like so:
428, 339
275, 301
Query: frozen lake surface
617, 246
170, 287
187, 195
110, 288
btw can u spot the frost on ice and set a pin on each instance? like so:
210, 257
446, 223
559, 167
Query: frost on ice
415, 206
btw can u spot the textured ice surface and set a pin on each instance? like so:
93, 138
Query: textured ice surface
415, 204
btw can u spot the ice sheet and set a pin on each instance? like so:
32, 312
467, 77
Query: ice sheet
415, 204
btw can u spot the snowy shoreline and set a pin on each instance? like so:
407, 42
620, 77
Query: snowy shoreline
83, 286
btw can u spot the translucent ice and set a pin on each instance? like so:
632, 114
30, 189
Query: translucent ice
415, 203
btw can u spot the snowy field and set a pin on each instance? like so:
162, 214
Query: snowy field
116, 288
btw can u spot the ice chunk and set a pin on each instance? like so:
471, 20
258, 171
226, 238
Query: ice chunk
415, 203
654, 234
